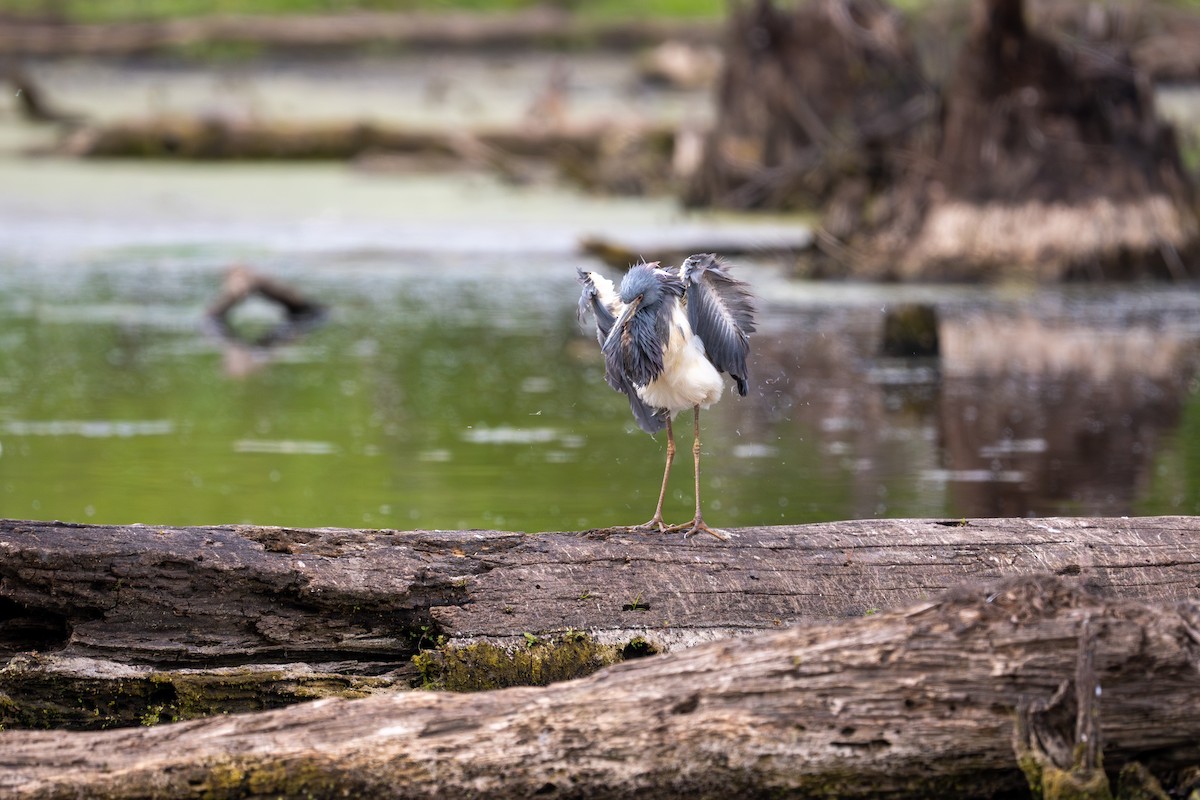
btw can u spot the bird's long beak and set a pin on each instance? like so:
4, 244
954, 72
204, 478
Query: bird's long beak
622, 321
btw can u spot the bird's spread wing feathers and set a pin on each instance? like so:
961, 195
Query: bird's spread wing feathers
599, 297
629, 352
720, 310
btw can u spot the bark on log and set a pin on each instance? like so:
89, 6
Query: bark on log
111, 625
915, 703
415, 30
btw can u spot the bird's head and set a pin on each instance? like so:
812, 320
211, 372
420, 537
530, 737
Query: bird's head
648, 285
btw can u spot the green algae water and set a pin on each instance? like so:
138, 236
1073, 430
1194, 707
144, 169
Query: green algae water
452, 390
451, 386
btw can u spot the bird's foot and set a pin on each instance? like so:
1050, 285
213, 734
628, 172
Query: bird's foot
655, 524
698, 525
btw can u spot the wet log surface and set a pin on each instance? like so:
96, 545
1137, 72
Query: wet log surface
919, 702
105, 625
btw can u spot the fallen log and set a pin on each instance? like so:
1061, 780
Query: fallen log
673, 246
922, 702
216, 137
539, 26
170, 623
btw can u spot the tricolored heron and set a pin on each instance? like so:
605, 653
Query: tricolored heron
667, 335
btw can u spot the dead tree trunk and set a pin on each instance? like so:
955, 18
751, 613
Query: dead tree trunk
814, 102
915, 703
114, 625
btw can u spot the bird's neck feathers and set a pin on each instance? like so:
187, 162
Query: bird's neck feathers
650, 284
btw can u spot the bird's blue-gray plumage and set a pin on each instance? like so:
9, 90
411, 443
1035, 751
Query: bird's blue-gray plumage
650, 420
634, 347
634, 332
720, 310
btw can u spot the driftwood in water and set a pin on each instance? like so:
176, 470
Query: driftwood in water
416, 30
242, 283
244, 352
624, 157
214, 137
672, 246
923, 702
111, 625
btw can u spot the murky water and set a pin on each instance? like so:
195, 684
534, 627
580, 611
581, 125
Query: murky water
448, 391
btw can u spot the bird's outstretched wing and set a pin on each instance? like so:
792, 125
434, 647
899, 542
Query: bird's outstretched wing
601, 299
720, 310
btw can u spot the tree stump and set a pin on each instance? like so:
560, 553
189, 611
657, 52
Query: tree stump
1045, 161
1052, 165
814, 104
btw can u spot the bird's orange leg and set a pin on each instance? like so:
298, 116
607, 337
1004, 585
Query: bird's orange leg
697, 524
656, 522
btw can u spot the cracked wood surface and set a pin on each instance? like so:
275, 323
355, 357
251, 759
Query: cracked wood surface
911, 703
104, 626
179, 597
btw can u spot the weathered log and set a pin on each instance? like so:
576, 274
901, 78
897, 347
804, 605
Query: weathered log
673, 246
173, 622
215, 137
415, 30
915, 703
241, 283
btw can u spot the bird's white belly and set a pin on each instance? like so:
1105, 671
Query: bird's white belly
688, 378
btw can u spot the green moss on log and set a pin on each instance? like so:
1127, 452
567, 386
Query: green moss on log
247, 778
486, 665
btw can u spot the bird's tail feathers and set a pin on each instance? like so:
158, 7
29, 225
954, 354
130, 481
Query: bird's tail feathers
651, 420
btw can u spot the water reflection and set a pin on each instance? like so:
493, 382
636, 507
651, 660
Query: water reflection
245, 349
434, 399
1064, 414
